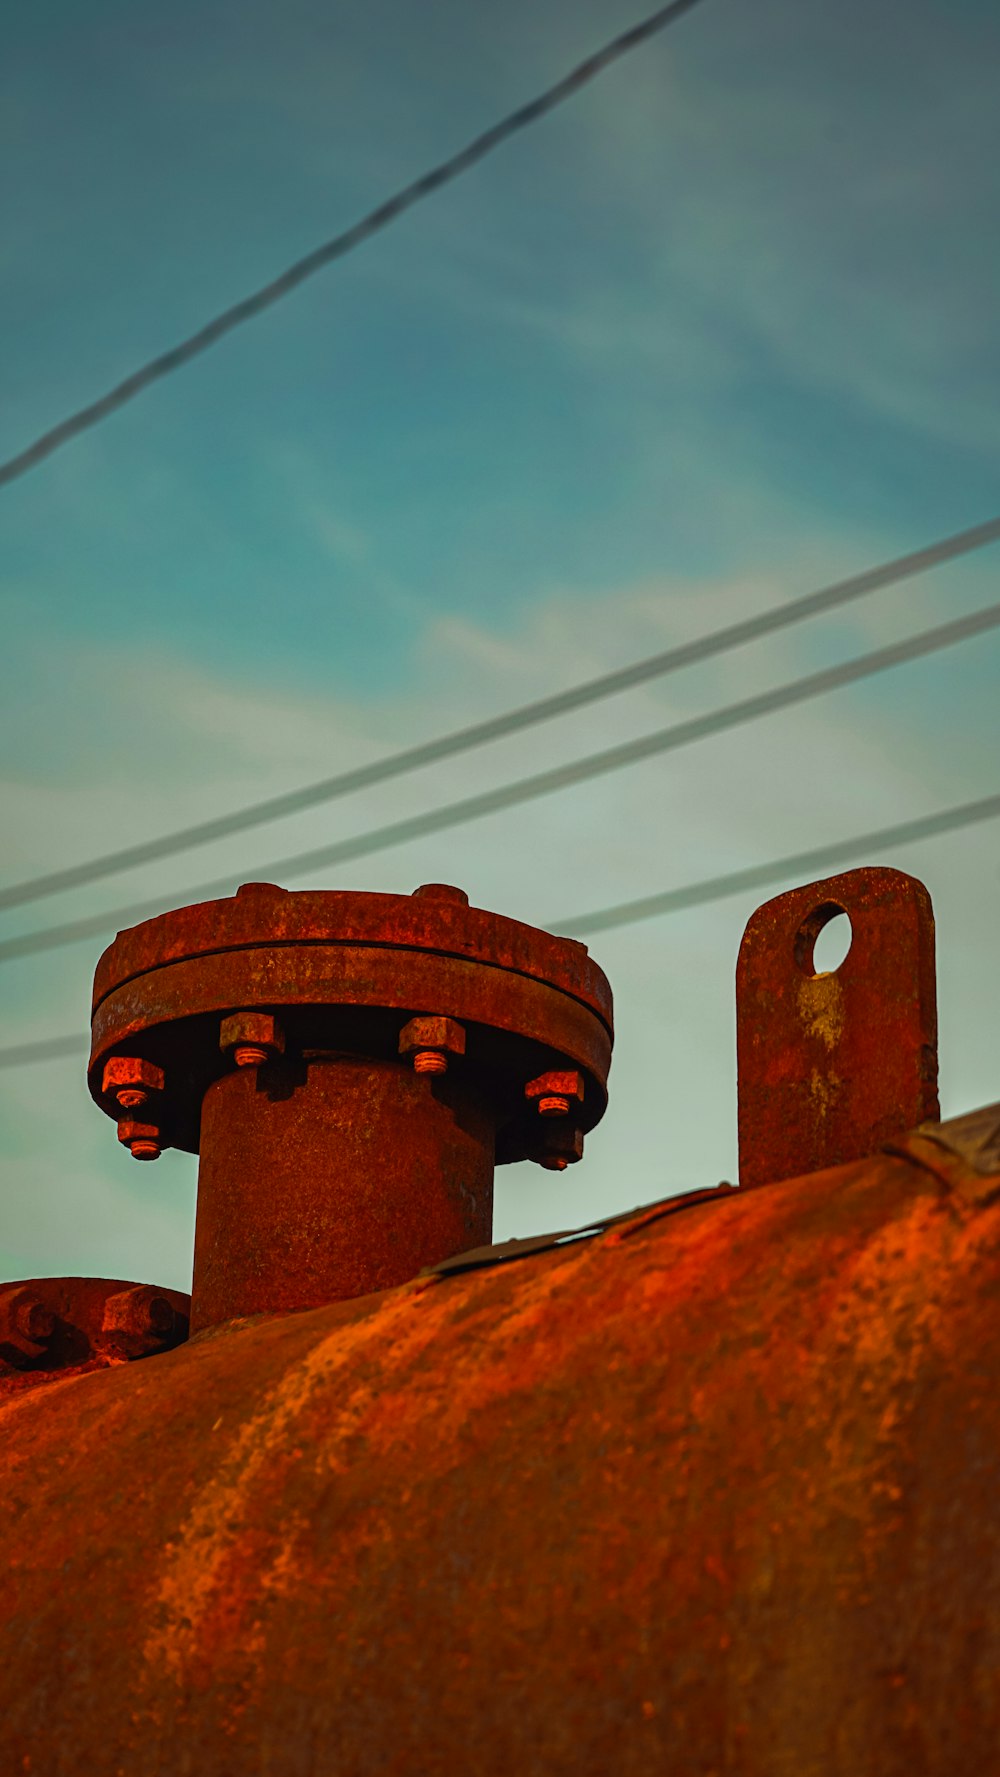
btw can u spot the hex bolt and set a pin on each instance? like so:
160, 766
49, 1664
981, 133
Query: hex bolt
251, 1038
143, 1140
553, 1092
555, 1095
430, 1041
130, 1080
562, 1146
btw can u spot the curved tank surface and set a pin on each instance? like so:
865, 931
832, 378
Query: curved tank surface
709, 1487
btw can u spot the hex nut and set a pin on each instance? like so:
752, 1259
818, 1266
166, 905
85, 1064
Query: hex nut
430, 1041
554, 1091
251, 1038
130, 1080
556, 1095
144, 1140
562, 1146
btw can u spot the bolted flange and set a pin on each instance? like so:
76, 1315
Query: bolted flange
278, 1022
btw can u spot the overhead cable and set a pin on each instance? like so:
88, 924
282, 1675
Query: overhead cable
695, 894
343, 243
49, 1049
543, 783
363, 777
796, 865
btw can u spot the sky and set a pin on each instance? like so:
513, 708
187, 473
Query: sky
719, 331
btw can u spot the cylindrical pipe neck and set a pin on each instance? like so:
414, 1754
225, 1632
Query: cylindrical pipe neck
326, 1179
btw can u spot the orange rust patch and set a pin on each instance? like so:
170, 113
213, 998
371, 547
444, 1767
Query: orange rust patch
821, 1008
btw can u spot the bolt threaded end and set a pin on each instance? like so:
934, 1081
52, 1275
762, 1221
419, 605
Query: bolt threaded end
144, 1149
249, 1055
430, 1061
554, 1163
553, 1105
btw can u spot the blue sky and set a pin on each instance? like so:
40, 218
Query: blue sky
718, 331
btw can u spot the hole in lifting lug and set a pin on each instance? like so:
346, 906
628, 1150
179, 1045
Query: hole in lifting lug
823, 940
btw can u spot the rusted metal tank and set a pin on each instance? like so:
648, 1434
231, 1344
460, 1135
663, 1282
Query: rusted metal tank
708, 1488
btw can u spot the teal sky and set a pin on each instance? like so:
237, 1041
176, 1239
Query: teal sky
720, 330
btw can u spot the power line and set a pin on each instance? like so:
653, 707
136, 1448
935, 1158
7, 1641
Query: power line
341, 244
696, 894
716, 888
362, 777
542, 783
49, 1049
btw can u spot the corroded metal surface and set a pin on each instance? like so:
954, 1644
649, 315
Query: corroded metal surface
436, 918
346, 965
361, 1171
350, 1067
710, 1489
714, 1492
833, 1065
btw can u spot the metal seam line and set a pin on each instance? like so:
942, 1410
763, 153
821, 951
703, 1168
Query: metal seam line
343, 243
527, 789
697, 894
495, 727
